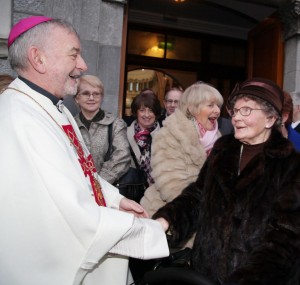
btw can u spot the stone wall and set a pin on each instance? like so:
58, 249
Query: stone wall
290, 15
99, 25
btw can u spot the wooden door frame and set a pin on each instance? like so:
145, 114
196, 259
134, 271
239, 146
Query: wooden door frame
273, 27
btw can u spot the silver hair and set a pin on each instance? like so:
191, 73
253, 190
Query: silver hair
92, 80
196, 95
36, 36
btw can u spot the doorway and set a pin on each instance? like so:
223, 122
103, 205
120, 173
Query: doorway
160, 81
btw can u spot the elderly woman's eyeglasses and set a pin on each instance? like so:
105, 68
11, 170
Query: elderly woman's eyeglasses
244, 111
87, 94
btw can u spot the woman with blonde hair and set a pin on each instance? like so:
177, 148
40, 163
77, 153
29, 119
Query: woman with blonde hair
181, 147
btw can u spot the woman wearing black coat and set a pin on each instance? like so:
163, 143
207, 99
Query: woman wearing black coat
245, 204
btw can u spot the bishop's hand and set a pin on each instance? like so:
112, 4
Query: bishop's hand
133, 207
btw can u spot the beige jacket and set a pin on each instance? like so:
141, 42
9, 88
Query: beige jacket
177, 157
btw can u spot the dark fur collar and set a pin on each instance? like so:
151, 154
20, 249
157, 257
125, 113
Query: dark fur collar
225, 161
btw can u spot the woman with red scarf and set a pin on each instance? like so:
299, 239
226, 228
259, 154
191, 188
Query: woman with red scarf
146, 109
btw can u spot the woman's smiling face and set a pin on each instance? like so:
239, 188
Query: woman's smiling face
254, 128
89, 98
145, 117
208, 115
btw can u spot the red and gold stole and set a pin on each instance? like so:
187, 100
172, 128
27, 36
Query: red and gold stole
87, 165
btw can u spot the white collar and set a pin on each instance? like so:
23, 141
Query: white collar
295, 124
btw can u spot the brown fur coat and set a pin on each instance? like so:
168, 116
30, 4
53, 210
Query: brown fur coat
247, 226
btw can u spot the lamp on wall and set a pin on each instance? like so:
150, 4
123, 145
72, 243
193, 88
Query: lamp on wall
167, 45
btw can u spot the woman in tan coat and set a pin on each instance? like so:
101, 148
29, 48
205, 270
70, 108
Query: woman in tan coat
181, 146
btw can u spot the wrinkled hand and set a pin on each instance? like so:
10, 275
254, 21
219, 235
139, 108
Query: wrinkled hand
133, 207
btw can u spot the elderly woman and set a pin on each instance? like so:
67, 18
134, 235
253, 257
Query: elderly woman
94, 124
245, 204
146, 110
181, 147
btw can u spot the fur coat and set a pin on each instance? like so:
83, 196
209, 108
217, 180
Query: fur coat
247, 226
177, 157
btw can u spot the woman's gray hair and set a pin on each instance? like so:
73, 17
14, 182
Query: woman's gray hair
93, 81
196, 95
36, 36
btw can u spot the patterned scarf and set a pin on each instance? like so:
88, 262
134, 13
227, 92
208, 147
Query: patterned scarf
143, 139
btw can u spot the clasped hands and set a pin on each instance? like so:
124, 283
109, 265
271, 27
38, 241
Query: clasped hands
133, 207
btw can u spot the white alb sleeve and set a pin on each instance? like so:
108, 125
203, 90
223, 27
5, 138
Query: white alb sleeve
145, 240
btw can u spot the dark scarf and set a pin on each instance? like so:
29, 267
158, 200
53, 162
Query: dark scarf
248, 152
143, 139
99, 116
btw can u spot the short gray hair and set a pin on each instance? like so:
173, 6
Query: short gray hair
93, 81
37, 35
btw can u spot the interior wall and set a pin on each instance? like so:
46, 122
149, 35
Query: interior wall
182, 78
185, 78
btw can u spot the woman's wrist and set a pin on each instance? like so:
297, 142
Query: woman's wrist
164, 224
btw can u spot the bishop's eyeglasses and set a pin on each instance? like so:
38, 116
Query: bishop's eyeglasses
244, 111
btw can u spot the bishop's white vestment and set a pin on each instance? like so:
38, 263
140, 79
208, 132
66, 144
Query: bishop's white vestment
52, 230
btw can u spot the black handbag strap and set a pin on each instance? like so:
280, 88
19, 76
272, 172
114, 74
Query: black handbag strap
134, 157
109, 151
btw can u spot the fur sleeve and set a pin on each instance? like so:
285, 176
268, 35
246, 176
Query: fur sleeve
182, 214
